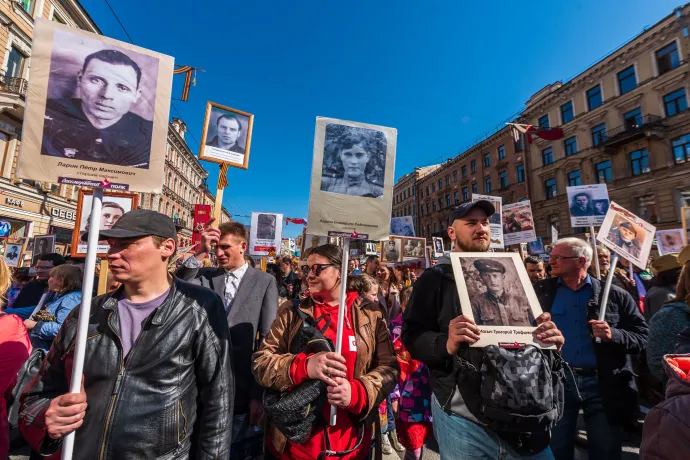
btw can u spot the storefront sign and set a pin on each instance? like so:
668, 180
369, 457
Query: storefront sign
14, 202
62, 214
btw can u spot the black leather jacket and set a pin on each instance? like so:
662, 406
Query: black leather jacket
170, 399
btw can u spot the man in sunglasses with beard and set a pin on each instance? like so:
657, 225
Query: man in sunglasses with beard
250, 297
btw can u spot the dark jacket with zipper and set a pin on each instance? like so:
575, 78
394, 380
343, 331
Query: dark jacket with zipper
629, 336
171, 398
455, 380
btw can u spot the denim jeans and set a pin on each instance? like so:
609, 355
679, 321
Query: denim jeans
604, 440
460, 438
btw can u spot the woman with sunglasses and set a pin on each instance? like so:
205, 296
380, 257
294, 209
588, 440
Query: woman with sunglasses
357, 380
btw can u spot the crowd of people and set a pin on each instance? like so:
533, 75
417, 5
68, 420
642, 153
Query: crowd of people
218, 359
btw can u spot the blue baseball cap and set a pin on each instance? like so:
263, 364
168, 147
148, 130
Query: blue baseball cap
463, 209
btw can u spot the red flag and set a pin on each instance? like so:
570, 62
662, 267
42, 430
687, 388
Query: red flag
549, 134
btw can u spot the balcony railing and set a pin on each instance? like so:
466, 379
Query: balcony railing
631, 128
13, 85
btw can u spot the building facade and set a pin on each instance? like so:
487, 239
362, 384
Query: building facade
494, 166
30, 208
405, 194
625, 124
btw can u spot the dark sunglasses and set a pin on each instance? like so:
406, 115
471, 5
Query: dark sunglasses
316, 268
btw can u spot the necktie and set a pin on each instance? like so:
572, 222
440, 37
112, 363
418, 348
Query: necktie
230, 289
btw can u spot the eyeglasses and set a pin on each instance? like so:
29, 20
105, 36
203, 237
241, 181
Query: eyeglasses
316, 268
43, 267
557, 258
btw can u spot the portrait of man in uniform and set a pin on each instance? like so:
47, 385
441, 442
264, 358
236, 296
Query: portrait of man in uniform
100, 103
497, 304
391, 251
266, 227
625, 236
354, 161
12, 254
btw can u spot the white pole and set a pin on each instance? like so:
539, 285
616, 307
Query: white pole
632, 273
341, 309
607, 289
595, 254
85, 309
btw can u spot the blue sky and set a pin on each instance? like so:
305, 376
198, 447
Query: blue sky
441, 72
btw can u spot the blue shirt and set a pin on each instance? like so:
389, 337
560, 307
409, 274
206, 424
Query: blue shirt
569, 312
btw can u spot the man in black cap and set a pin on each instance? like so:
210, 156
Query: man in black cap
435, 335
157, 372
496, 306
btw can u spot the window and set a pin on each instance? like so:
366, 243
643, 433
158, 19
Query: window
570, 146
604, 172
646, 208
428, 229
448, 202
455, 176
626, 80
567, 113
465, 194
440, 184
447, 180
544, 121
520, 170
57, 18
487, 159
15, 63
681, 148
518, 143
487, 185
464, 171
428, 210
667, 58
594, 99
639, 162
574, 178
421, 210
433, 206
503, 179
547, 156
633, 119
675, 102
473, 166
550, 188
433, 187
501, 152
475, 188
421, 193
435, 228
440, 203
427, 191
456, 197
599, 134
27, 5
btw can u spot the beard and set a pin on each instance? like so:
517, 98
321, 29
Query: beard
474, 245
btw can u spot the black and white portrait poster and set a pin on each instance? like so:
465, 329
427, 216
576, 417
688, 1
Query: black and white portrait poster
668, 241
352, 179
265, 233
97, 111
391, 250
497, 294
114, 206
14, 252
413, 248
588, 204
518, 223
438, 246
310, 242
495, 221
371, 248
627, 235
43, 244
227, 136
402, 226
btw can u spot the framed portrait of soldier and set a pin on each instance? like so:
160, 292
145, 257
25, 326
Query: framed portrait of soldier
518, 223
14, 254
413, 248
265, 233
371, 248
438, 246
227, 136
43, 244
588, 204
496, 293
391, 250
114, 206
97, 112
627, 235
669, 241
352, 179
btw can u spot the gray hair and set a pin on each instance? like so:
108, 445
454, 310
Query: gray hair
580, 248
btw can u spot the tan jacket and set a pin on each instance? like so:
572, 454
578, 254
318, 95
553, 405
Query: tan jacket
376, 367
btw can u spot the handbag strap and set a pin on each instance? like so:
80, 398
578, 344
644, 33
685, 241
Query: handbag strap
309, 320
329, 453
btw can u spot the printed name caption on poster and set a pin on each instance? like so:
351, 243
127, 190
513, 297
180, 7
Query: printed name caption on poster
92, 183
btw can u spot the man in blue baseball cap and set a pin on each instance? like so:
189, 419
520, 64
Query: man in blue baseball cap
435, 334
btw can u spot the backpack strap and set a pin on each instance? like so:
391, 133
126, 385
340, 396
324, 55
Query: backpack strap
309, 320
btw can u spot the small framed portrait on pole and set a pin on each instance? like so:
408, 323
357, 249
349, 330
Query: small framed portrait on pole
14, 253
114, 206
227, 136
43, 244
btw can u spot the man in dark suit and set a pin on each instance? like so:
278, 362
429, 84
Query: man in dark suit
250, 297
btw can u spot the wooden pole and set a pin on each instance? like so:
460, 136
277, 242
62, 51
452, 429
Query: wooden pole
103, 277
222, 183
